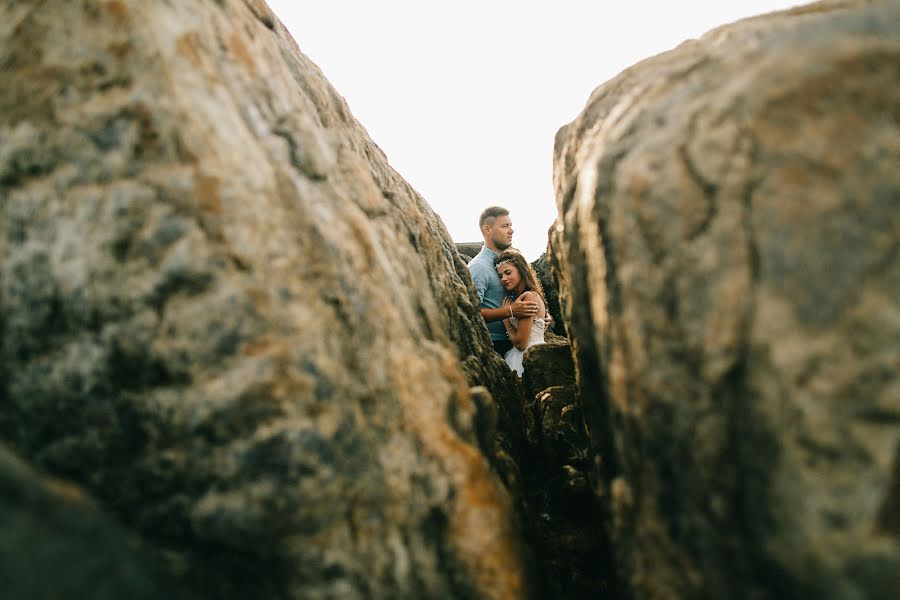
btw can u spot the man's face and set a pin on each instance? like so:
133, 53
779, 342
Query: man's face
500, 232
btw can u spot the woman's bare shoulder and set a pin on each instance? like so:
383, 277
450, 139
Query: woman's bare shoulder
534, 297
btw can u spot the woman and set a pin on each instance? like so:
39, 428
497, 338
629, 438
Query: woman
519, 279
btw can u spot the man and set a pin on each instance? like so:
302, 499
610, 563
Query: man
496, 228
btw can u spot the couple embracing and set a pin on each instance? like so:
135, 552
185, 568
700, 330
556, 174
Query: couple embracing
512, 300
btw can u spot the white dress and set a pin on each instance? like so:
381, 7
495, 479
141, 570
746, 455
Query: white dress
536, 336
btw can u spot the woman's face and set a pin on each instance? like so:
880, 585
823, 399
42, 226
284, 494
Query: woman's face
509, 276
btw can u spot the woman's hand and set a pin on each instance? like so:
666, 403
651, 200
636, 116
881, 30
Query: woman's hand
506, 305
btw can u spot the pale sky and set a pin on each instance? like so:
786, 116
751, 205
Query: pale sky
465, 97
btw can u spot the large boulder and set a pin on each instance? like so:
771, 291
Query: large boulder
230, 320
727, 244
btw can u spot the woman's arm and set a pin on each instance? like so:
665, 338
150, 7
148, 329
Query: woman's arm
519, 335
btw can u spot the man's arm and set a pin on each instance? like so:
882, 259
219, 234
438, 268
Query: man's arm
480, 279
523, 308
480, 282
495, 314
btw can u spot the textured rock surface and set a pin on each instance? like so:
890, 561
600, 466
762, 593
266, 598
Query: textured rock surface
55, 543
543, 268
548, 365
468, 250
564, 519
729, 275
202, 323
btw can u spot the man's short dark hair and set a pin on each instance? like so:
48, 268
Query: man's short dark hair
491, 212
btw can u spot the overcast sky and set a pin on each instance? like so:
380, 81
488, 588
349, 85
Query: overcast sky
465, 97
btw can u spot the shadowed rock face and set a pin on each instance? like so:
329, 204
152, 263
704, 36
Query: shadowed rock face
201, 322
542, 267
55, 543
729, 277
565, 522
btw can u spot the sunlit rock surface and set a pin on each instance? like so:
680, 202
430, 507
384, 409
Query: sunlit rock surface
727, 248
226, 316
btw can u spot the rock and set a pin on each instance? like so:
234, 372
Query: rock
226, 317
564, 521
543, 267
468, 250
547, 365
727, 248
55, 543
560, 430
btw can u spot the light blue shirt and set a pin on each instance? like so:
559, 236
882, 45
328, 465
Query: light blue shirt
487, 284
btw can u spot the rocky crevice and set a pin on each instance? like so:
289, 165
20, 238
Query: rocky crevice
552, 463
226, 318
